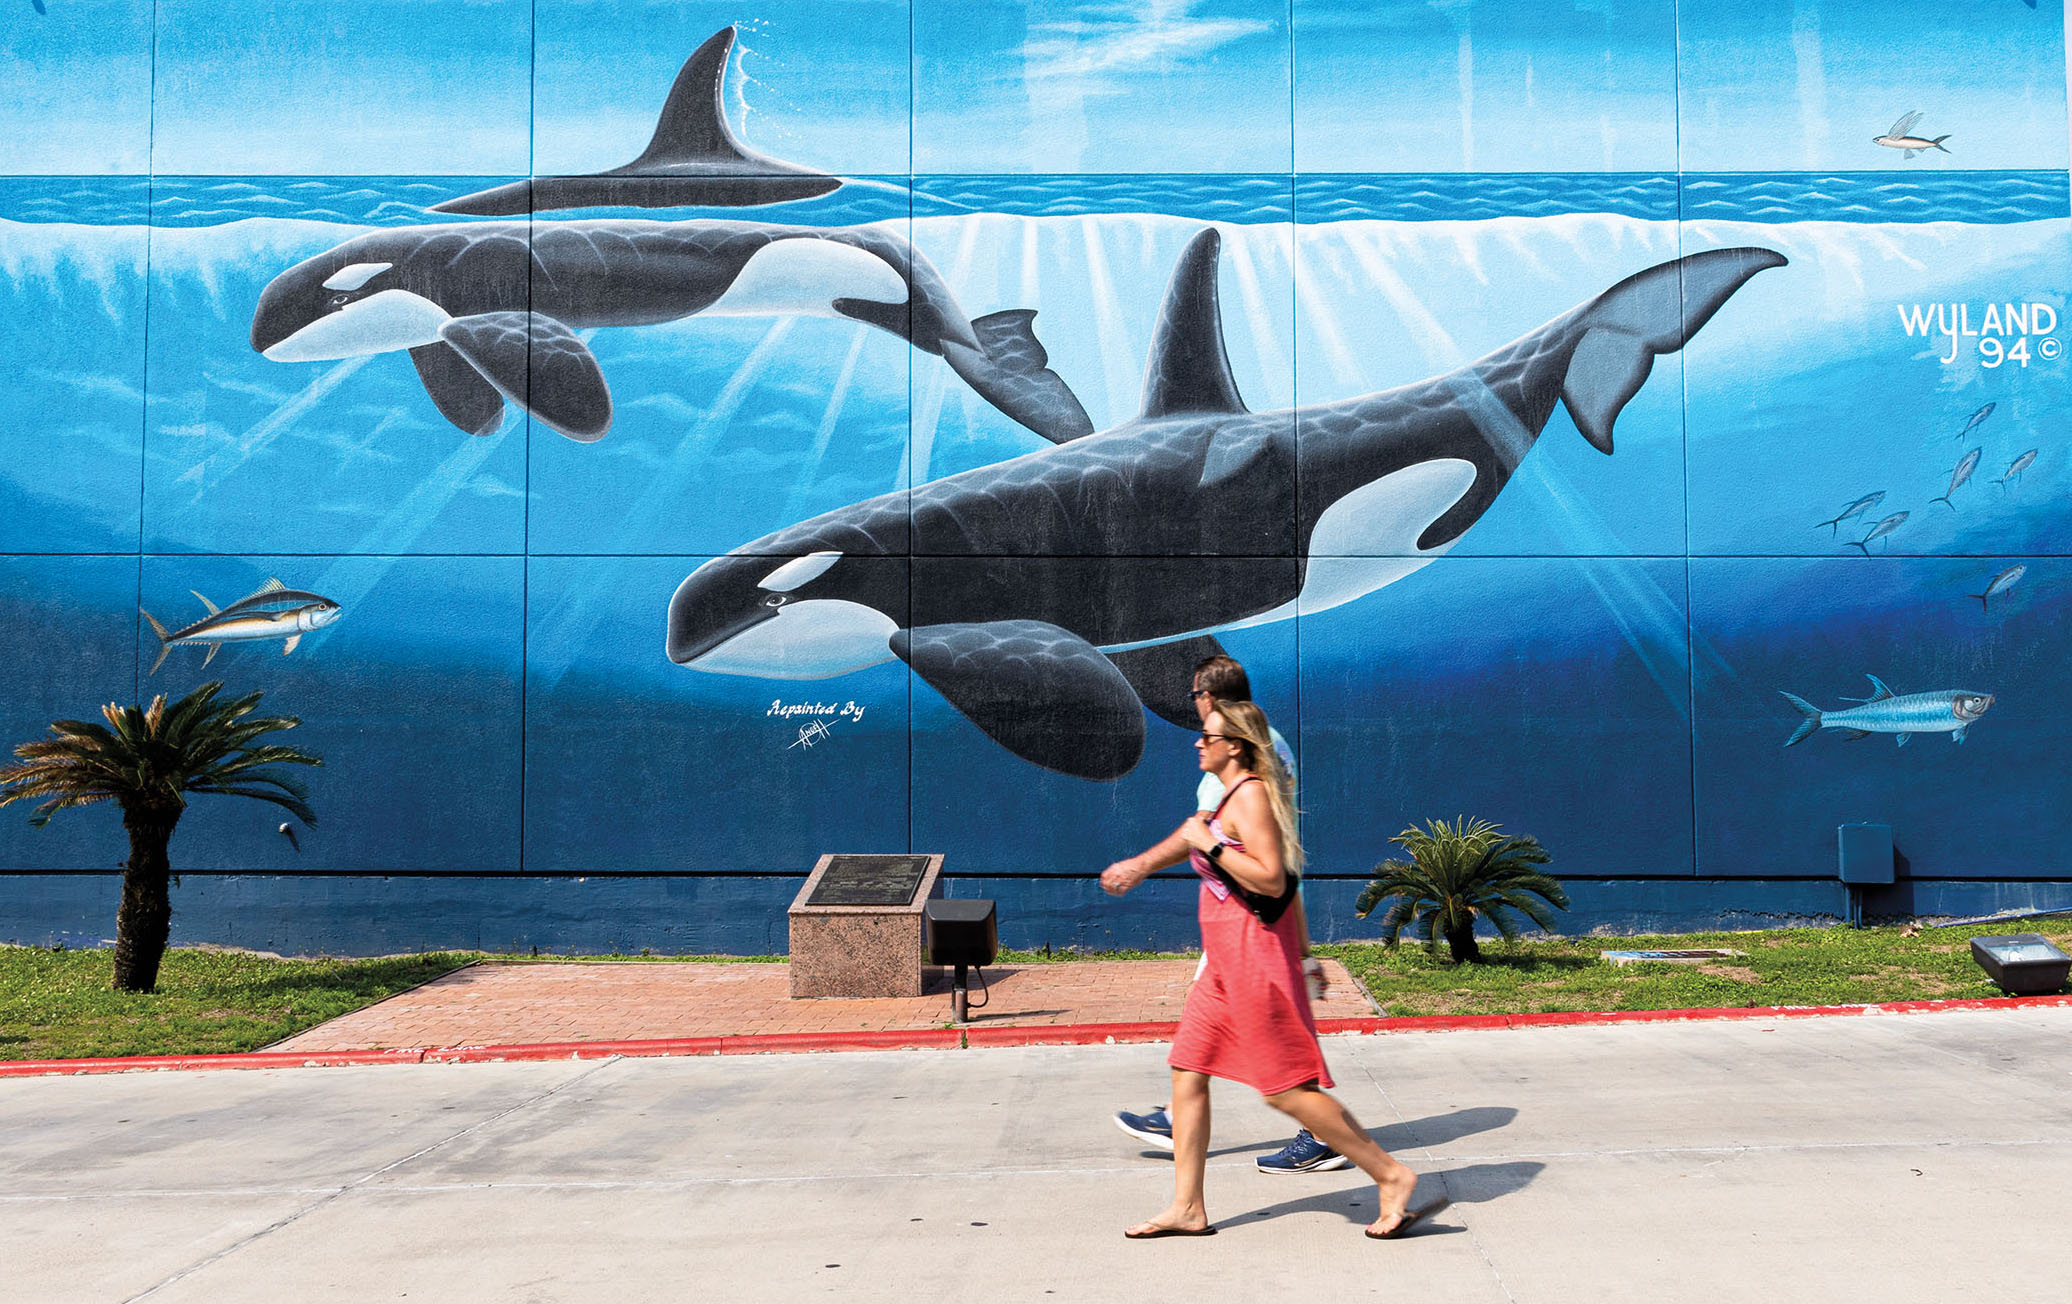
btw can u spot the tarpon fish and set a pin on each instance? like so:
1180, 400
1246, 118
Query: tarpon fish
272, 611
2016, 467
1857, 508
1884, 711
1899, 137
693, 159
1998, 585
1052, 597
1976, 418
1879, 531
1958, 475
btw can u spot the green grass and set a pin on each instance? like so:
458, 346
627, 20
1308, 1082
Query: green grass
1793, 966
58, 1004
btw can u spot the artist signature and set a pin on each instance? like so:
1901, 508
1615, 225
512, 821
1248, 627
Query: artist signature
820, 719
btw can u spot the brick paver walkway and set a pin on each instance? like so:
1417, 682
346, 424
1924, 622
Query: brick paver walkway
500, 1004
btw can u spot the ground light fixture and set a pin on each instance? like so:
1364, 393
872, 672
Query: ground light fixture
964, 935
2024, 964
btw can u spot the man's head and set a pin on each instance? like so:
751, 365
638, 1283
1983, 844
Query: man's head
1219, 676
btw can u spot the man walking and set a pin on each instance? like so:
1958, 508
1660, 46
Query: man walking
1217, 677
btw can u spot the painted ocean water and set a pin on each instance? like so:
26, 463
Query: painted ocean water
1636, 615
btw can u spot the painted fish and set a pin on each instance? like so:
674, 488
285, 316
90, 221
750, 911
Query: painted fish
273, 610
2016, 467
1999, 584
1902, 139
1857, 508
1884, 711
1880, 530
1958, 475
1976, 418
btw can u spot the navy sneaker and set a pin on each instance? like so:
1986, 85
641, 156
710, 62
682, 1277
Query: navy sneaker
1305, 1154
1153, 1129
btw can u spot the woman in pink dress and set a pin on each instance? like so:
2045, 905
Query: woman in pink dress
1247, 1016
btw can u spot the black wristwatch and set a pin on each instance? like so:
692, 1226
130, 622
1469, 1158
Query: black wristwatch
1215, 854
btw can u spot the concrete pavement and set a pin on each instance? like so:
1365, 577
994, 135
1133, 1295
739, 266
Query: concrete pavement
1920, 1157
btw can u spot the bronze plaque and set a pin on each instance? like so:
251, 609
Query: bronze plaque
869, 881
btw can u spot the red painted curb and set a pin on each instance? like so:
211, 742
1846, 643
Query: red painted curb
885, 1039
249, 1060
535, 1052
1070, 1034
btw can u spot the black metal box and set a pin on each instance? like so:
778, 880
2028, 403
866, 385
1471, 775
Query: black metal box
959, 932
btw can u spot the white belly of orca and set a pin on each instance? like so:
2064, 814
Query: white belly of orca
818, 639
380, 323
804, 276
1365, 541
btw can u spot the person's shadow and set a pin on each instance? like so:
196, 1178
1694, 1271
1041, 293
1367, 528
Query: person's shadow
1467, 1184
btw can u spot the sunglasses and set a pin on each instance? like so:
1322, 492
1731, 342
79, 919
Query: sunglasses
1206, 736
1200, 692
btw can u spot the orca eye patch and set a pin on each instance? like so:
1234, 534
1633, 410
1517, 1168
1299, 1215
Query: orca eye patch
354, 275
799, 570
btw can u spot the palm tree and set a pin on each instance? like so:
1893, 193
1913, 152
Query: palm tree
149, 759
1456, 874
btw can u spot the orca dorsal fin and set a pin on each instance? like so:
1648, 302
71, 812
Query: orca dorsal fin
692, 132
1188, 370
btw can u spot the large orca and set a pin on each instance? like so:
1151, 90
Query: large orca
489, 310
1047, 596
693, 159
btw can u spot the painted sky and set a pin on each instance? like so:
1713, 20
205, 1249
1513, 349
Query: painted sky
392, 87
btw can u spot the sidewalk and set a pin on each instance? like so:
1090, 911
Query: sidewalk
551, 1004
1897, 1160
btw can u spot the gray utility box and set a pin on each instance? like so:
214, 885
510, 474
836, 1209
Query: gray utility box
2025, 964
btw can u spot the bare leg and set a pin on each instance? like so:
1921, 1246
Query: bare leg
1331, 1123
1190, 1115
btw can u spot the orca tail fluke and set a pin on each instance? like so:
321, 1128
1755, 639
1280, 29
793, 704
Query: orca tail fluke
164, 643
1011, 370
1642, 317
1807, 725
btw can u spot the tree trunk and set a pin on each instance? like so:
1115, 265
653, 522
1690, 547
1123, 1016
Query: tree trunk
1460, 943
145, 918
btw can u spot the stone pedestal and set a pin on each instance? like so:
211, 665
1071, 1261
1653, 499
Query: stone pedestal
856, 925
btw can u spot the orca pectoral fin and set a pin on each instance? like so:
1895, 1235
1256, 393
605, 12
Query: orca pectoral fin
539, 364
1041, 692
1642, 317
458, 390
1163, 673
1027, 389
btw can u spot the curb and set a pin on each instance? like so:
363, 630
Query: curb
1064, 1034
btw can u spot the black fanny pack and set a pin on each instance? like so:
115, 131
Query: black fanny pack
1266, 909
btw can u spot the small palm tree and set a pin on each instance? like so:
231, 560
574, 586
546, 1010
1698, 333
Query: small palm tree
1458, 873
149, 759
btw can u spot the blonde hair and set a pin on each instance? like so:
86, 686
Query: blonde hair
1246, 724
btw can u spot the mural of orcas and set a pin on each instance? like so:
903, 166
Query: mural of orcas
692, 159
1049, 598
489, 310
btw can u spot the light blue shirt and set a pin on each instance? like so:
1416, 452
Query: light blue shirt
1210, 790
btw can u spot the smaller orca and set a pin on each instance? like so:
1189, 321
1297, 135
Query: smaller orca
692, 160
